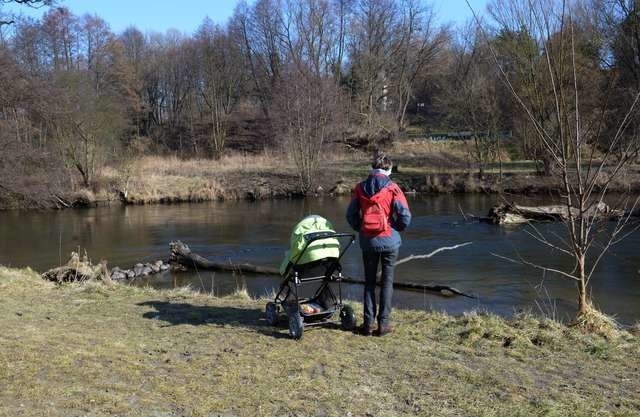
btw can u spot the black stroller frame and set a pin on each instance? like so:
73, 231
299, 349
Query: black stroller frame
288, 299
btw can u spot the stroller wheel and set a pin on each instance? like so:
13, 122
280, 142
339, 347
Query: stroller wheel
347, 318
271, 311
296, 327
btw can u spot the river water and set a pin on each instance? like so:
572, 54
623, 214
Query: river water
258, 232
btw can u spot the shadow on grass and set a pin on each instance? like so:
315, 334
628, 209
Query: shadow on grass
175, 314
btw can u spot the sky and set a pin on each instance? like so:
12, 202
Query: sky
186, 15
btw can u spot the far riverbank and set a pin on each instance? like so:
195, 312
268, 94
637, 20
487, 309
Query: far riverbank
421, 166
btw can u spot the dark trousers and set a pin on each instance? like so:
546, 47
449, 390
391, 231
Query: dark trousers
371, 261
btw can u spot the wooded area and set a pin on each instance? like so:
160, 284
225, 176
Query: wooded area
302, 77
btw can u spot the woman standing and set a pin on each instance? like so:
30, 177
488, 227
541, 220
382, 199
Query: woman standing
378, 210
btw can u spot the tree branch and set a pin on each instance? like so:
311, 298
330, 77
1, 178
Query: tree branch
429, 255
542, 268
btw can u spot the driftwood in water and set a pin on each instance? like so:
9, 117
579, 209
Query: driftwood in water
516, 214
443, 290
429, 255
181, 254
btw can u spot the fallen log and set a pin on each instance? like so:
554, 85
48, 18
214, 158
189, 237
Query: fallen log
517, 214
182, 255
443, 290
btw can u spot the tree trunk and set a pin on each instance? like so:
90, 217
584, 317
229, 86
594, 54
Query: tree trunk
84, 174
583, 302
548, 166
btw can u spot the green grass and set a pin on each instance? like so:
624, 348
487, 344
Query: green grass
112, 350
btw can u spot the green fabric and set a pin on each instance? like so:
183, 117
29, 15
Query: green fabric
320, 249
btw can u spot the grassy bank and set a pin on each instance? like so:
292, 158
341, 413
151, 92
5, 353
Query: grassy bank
104, 350
156, 179
423, 166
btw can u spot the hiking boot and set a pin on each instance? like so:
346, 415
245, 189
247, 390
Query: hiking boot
384, 329
365, 330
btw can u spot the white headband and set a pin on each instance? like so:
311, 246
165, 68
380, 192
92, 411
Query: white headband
386, 172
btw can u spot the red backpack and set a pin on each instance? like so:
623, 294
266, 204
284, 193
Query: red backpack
375, 212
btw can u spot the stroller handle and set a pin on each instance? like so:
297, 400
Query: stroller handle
312, 237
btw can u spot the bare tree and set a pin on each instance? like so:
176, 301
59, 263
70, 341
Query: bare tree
92, 87
343, 10
309, 101
10, 19
417, 46
262, 30
518, 46
30, 175
134, 49
220, 80
587, 161
473, 95
617, 22
372, 38
86, 126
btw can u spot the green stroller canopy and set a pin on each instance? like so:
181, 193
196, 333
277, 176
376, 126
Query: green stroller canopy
320, 249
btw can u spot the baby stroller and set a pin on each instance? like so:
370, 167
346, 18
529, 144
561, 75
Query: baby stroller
313, 258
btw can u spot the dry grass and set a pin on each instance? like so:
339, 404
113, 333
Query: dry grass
171, 165
153, 179
428, 166
112, 350
595, 321
443, 156
173, 188
422, 147
167, 179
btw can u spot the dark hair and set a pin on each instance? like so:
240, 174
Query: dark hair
381, 161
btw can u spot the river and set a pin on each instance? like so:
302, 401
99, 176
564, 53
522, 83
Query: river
258, 232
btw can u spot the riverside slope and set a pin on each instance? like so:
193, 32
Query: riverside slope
107, 350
